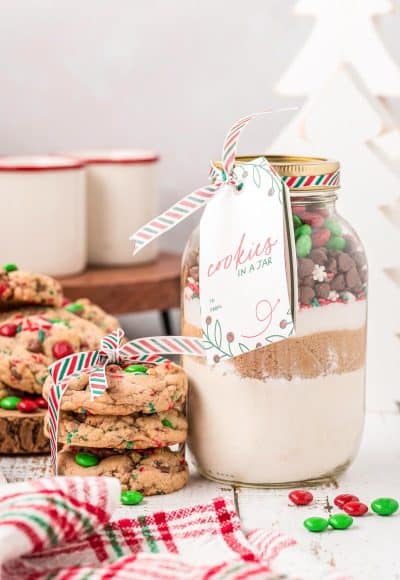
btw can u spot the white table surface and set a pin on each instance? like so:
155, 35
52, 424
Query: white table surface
369, 550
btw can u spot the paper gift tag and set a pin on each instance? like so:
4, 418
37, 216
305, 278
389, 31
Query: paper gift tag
247, 299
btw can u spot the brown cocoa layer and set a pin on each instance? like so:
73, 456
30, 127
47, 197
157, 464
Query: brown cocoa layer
321, 353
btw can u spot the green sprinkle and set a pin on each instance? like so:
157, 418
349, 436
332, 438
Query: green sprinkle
129, 444
167, 423
19, 328
10, 267
59, 321
152, 408
42, 335
74, 307
315, 302
69, 437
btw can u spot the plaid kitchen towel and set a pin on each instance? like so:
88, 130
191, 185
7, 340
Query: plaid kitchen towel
60, 529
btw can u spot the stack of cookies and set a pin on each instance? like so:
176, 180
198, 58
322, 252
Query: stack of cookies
135, 431
37, 327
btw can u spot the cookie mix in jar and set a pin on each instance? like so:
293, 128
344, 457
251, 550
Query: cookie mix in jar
291, 411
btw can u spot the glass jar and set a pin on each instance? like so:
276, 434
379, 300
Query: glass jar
293, 411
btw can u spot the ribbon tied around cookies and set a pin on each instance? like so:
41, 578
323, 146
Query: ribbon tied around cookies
112, 350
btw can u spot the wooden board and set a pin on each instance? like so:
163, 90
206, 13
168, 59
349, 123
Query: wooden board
22, 433
120, 290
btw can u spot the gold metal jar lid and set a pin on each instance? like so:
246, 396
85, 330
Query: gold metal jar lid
303, 174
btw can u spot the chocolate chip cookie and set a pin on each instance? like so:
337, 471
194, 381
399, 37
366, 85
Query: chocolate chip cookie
163, 387
24, 288
29, 344
137, 431
154, 471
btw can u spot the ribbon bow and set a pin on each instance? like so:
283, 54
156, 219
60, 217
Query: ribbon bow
220, 176
112, 351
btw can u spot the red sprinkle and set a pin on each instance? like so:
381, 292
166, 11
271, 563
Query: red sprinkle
3, 287
8, 329
61, 349
342, 499
66, 301
320, 237
301, 497
41, 403
27, 406
355, 508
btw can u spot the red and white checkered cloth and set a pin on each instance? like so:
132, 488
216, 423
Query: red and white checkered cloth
60, 529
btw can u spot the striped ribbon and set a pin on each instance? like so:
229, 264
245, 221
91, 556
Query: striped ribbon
94, 363
299, 182
220, 176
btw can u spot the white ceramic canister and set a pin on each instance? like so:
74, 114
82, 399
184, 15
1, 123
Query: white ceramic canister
123, 194
43, 210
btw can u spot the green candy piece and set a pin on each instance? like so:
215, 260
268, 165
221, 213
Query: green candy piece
316, 524
384, 506
301, 230
340, 521
10, 267
10, 403
167, 423
303, 245
86, 459
74, 307
296, 221
137, 369
42, 335
333, 226
336, 243
131, 497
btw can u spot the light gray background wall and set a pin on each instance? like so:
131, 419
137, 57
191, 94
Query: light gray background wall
164, 74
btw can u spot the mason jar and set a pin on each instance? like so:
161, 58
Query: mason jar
291, 412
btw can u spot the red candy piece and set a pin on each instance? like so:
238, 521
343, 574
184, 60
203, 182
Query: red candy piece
41, 403
62, 348
320, 237
317, 221
3, 287
8, 329
355, 508
301, 497
342, 499
27, 406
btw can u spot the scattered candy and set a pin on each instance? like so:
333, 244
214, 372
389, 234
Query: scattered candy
336, 243
74, 307
41, 403
333, 226
303, 245
131, 497
316, 524
301, 497
10, 267
340, 521
355, 508
9, 403
385, 506
61, 349
9, 329
86, 459
342, 499
137, 369
27, 406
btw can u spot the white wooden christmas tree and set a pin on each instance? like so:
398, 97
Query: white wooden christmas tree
343, 70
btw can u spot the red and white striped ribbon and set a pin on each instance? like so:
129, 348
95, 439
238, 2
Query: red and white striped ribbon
185, 207
112, 350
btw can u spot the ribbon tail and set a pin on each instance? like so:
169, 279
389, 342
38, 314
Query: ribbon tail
159, 345
97, 382
181, 210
